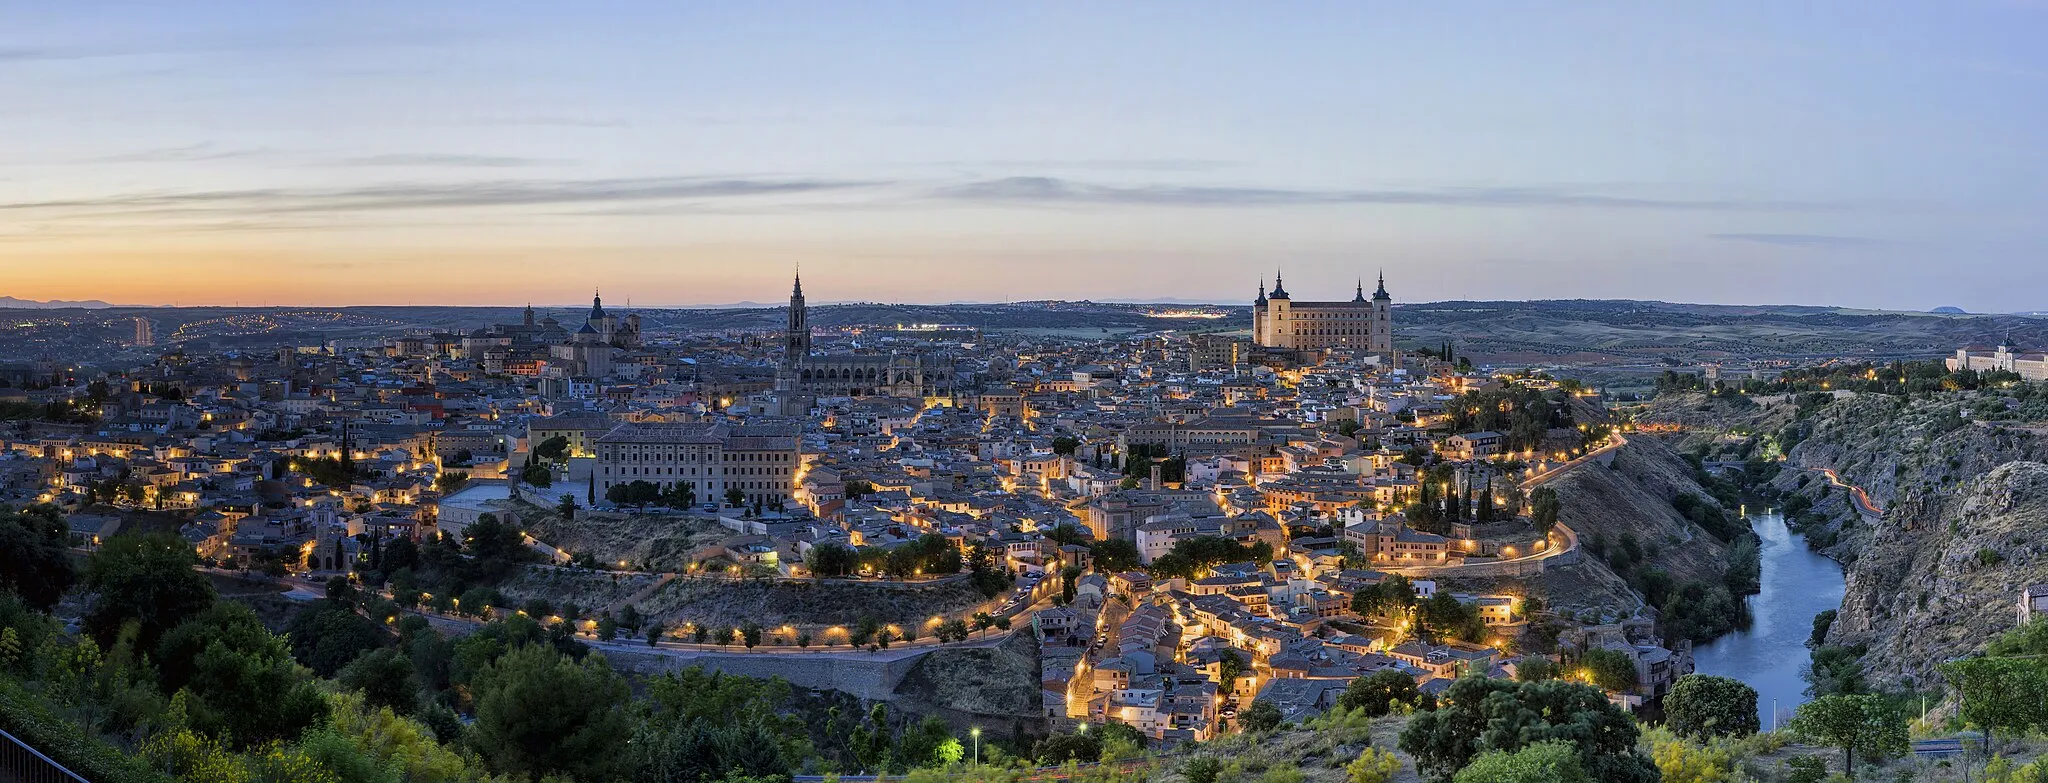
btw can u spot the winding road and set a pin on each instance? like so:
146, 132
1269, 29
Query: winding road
1861, 499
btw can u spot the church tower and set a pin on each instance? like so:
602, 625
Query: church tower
1382, 331
796, 338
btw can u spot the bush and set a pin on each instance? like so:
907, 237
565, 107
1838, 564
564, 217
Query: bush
1372, 766
25, 717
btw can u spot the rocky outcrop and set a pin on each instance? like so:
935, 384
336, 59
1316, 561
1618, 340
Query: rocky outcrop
997, 686
1923, 594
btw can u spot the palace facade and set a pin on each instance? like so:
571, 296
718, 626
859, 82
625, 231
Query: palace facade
1365, 325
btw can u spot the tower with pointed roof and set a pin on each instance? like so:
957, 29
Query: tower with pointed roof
796, 335
1382, 333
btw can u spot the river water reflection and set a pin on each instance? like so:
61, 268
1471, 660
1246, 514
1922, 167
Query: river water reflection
1797, 584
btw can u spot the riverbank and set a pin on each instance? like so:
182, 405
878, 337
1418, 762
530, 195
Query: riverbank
1796, 584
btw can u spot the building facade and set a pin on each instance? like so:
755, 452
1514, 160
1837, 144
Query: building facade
1362, 324
2030, 366
760, 460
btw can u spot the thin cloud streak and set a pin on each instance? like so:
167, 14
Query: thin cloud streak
1798, 240
449, 195
187, 153
451, 159
1049, 190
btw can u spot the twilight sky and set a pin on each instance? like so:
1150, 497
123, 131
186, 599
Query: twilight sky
1866, 153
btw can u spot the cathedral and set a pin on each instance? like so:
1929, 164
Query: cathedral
802, 372
1363, 325
528, 346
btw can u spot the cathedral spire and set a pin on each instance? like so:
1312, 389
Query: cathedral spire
1382, 293
1279, 287
1262, 293
1360, 295
797, 290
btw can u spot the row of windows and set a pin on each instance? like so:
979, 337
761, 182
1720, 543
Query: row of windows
692, 456
672, 471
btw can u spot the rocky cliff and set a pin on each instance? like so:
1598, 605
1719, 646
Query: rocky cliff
1940, 577
1955, 490
1934, 573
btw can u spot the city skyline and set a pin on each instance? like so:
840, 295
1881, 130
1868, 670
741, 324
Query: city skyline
1859, 155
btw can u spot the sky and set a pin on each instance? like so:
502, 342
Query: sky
1863, 154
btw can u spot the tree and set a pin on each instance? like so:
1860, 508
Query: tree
832, 559
1113, 555
386, 678
1545, 762
1376, 693
1480, 715
34, 562
1392, 595
750, 635
735, 497
568, 506
239, 677
329, 635
1262, 715
555, 449
1612, 670
1229, 667
1533, 668
1066, 444
147, 579
1702, 706
681, 495
642, 493
1543, 507
1851, 722
540, 713
619, 495
538, 475
1062, 748
2000, 694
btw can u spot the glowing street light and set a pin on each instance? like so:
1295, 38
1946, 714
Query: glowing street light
976, 733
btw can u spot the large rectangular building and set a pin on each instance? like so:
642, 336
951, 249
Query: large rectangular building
760, 460
1362, 324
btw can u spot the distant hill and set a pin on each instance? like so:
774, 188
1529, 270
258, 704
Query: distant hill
11, 303
1949, 310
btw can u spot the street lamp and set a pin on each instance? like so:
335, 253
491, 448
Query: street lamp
976, 733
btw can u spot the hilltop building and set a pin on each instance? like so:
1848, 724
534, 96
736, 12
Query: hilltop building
1362, 324
2030, 366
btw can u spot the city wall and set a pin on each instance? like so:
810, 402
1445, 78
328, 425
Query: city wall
871, 678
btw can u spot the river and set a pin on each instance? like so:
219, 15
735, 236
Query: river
1797, 584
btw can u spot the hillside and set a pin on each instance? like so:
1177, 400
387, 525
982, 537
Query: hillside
1629, 525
